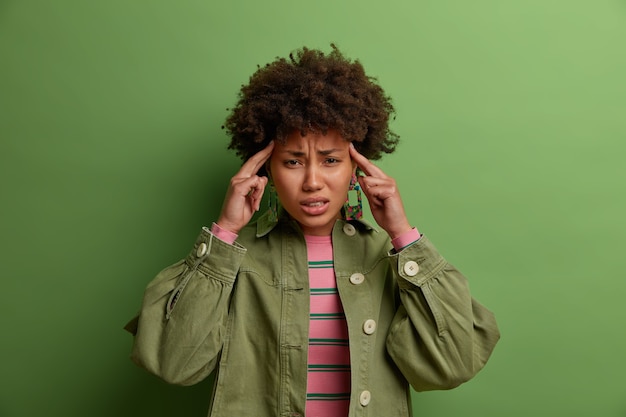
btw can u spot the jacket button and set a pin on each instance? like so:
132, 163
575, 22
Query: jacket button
348, 229
411, 268
357, 278
201, 250
365, 398
369, 327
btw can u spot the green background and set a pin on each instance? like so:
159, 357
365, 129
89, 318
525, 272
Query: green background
512, 116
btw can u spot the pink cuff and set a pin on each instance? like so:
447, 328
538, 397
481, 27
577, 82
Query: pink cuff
223, 234
405, 239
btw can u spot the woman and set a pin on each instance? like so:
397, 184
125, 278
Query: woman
309, 310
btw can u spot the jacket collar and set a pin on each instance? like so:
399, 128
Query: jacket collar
265, 224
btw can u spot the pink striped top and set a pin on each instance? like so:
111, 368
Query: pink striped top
328, 378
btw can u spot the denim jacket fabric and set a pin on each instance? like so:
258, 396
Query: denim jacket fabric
244, 309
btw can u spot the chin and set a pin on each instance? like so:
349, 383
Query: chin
319, 226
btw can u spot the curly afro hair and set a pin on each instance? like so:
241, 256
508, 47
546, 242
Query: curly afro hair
312, 92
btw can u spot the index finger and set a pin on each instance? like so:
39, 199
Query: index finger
366, 166
256, 161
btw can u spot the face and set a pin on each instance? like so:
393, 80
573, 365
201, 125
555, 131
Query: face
311, 175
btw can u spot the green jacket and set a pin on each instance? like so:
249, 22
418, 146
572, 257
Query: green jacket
244, 309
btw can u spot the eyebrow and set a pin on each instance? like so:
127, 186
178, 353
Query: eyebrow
324, 152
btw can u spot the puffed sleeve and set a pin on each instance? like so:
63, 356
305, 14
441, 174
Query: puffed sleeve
440, 336
180, 329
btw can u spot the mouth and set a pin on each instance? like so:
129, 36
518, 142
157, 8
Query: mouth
314, 206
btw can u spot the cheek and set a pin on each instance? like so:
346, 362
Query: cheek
283, 177
286, 185
341, 182
346, 176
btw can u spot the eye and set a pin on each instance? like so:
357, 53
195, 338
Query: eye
291, 163
331, 161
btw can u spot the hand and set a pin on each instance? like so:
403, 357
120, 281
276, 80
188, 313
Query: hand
383, 196
245, 192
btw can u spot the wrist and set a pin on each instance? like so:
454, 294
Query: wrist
223, 234
227, 226
399, 231
405, 239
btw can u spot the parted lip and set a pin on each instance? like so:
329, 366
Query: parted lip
314, 200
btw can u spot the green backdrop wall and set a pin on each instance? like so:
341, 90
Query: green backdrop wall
513, 123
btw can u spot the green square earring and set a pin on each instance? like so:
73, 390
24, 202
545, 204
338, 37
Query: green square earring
272, 203
353, 207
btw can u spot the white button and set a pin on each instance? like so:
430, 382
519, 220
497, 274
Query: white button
369, 327
411, 268
201, 250
349, 229
357, 278
365, 398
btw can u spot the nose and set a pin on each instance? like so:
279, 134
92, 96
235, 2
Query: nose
312, 179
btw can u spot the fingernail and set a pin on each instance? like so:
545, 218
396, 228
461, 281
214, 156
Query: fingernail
352, 145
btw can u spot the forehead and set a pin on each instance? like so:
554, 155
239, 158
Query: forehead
314, 140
